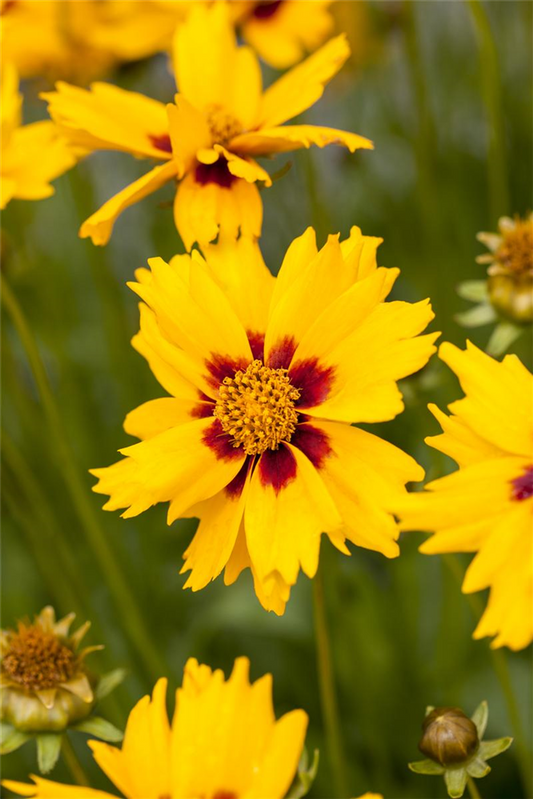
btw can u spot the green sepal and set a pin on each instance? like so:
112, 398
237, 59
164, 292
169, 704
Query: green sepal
488, 749
100, 728
455, 780
477, 316
48, 749
504, 334
480, 716
478, 768
426, 767
473, 290
108, 682
305, 776
429, 709
11, 738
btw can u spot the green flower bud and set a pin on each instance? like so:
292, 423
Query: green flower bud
450, 737
512, 296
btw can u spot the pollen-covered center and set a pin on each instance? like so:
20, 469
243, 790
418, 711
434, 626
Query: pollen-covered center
515, 253
222, 125
256, 408
37, 660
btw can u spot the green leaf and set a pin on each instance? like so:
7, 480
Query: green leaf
426, 767
100, 728
478, 768
473, 290
108, 682
48, 748
488, 749
306, 775
455, 780
480, 716
11, 739
503, 335
477, 316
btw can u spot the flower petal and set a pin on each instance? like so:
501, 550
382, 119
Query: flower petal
46, 789
188, 133
247, 169
293, 137
99, 226
156, 416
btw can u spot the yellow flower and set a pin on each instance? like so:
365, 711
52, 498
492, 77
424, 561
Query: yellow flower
283, 31
82, 39
224, 742
207, 138
266, 376
45, 685
32, 155
487, 505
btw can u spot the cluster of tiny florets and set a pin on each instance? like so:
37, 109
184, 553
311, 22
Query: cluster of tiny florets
256, 408
37, 659
222, 125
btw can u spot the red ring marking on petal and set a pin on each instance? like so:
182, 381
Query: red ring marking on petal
220, 366
313, 380
220, 443
277, 468
214, 173
523, 485
257, 344
314, 443
280, 356
162, 142
234, 489
266, 9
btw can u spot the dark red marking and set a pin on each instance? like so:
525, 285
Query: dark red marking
280, 356
202, 410
277, 467
235, 488
220, 443
225, 795
8, 5
257, 344
523, 486
313, 443
313, 380
162, 142
266, 9
214, 173
220, 366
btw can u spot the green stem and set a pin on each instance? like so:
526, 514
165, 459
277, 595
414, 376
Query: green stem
115, 580
74, 765
328, 695
501, 669
492, 93
472, 788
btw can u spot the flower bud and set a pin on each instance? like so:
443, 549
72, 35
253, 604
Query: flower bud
450, 737
512, 296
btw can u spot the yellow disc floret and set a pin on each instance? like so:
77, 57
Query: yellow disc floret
256, 408
223, 125
37, 659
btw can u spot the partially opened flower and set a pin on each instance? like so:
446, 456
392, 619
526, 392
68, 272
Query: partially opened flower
487, 505
46, 686
32, 155
223, 743
282, 32
208, 137
266, 377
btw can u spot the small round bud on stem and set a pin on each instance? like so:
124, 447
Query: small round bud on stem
450, 737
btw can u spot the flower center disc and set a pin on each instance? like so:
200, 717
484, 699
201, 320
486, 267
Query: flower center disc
223, 125
38, 660
515, 253
256, 408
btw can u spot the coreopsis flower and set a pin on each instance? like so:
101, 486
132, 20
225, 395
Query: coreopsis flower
223, 743
32, 155
282, 32
454, 746
208, 137
81, 40
46, 686
487, 505
266, 377
506, 297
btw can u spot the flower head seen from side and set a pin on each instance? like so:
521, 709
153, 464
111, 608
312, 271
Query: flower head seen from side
486, 506
207, 139
47, 688
266, 376
223, 742
506, 296
283, 31
32, 155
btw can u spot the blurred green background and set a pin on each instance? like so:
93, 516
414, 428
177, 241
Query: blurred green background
418, 85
